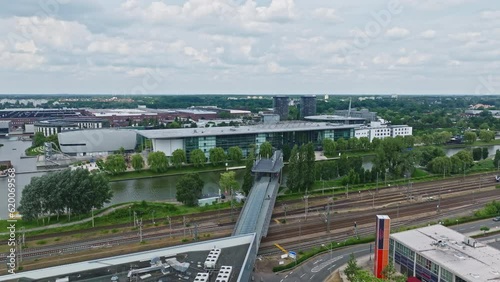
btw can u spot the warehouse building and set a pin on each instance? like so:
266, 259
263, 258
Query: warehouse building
98, 142
439, 254
55, 126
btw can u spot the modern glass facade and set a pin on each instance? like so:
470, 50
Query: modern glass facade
277, 139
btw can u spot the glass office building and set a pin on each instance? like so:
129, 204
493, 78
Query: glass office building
279, 135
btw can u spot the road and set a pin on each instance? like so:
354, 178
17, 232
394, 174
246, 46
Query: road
320, 267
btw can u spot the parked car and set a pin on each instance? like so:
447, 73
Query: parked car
496, 218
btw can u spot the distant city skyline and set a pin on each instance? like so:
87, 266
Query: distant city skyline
250, 47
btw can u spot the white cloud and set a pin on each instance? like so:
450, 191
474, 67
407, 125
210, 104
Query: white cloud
490, 15
466, 36
428, 34
274, 67
109, 45
434, 4
327, 14
397, 33
228, 46
26, 47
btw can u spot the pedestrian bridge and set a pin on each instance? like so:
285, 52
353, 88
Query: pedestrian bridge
256, 214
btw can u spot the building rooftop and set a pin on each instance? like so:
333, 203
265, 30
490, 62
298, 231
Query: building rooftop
234, 252
446, 246
263, 128
332, 117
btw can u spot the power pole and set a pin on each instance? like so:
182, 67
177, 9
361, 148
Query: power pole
170, 224
184, 225
135, 219
232, 205
140, 231
328, 219
347, 191
306, 207
196, 231
284, 207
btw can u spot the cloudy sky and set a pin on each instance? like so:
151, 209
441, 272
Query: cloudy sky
250, 46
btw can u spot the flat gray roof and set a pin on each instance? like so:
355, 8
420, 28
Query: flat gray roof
332, 117
63, 270
480, 263
263, 128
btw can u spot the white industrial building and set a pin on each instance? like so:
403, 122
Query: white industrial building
379, 130
96, 142
437, 253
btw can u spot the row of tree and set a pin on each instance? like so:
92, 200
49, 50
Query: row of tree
332, 148
159, 162
67, 191
301, 168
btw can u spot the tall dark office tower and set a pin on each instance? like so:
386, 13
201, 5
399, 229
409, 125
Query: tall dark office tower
307, 106
280, 106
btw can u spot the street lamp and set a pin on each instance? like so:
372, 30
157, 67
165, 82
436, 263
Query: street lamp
330, 247
284, 207
93, 224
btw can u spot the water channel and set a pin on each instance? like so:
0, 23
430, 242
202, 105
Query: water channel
149, 189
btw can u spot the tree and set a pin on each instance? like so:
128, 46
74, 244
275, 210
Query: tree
178, 157
341, 144
137, 162
74, 191
484, 229
235, 154
470, 137
309, 159
484, 153
189, 189
217, 155
293, 181
38, 139
440, 165
352, 268
389, 272
197, 157
247, 178
328, 147
477, 154
496, 160
486, 135
266, 150
228, 181
115, 164
158, 161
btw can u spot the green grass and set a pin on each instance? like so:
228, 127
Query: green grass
171, 171
143, 210
34, 151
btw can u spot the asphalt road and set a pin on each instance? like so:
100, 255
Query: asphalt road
320, 267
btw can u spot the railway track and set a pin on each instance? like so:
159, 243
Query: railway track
386, 199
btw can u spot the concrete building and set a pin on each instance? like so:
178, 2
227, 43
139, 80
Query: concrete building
97, 142
20, 117
280, 106
270, 118
381, 131
54, 126
307, 106
439, 254
278, 134
363, 113
4, 127
336, 119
